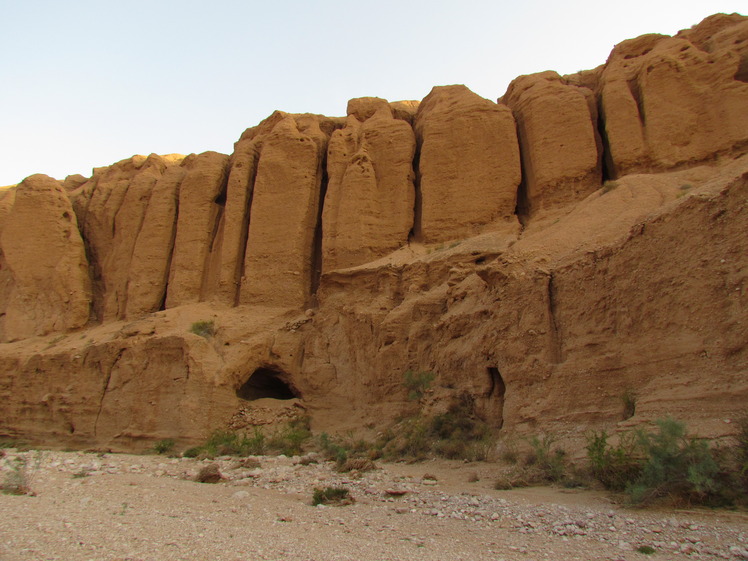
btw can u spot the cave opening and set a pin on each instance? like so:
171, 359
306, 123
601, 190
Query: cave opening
496, 392
266, 382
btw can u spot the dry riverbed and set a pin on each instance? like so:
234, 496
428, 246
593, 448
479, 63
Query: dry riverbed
126, 507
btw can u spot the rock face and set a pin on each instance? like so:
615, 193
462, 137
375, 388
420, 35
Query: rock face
368, 210
468, 167
668, 102
310, 265
201, 202
561, 150
46, 283
279, 266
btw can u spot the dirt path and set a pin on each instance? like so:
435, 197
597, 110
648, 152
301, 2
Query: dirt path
123, 507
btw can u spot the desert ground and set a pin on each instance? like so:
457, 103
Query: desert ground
88, 506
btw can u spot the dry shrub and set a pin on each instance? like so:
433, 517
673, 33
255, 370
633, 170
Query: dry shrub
209, 474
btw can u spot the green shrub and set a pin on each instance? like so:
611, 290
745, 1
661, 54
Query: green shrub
455, 434
227, 443
615, 467
164, 446
417, 383
668, 465
645, 549
337, 496
675, 466
203, 328
549, 463
291, 440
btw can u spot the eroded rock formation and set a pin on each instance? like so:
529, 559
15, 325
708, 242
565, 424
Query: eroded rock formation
468, 167
370, 197
485, 242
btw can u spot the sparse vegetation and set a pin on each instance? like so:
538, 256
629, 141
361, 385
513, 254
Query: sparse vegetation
291, 439
645, 549
613, 466
667, 465
164, 446
209, 474
417, 383
227, 443
335, 496
205, 329
457, 433
19, 475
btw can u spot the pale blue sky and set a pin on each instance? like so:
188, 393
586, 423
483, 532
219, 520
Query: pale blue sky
88, 83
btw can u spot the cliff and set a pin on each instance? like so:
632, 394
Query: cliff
580, 239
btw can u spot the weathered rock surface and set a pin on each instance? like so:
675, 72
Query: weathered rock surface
315, 267
201, 204
468, 167
368, 211
45, 280
667, 103
151, 256
279, 264
561, 150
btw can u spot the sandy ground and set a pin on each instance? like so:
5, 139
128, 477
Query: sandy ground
125, 507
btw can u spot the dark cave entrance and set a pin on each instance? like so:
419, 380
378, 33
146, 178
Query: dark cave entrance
495, 396
266, 382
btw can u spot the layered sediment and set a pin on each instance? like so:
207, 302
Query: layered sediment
579, 239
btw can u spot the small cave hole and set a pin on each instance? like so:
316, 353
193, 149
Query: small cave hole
265, 382
496, 392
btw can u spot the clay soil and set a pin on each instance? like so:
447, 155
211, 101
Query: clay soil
137, 508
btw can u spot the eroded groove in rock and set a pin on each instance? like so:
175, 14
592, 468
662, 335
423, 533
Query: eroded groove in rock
283, 217
212, 267
239, 191
202, 185
149, 269
317, 252
554, 330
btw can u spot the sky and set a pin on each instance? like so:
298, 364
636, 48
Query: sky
84, 84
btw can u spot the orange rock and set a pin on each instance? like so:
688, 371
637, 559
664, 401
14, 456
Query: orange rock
201, 202
42, 249
279, 265
239, 190
368, 210
469, 166
561, 151
149, 266
668, 103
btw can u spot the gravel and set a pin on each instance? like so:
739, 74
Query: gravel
126, 507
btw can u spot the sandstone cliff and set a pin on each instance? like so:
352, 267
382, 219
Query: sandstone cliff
581, 238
